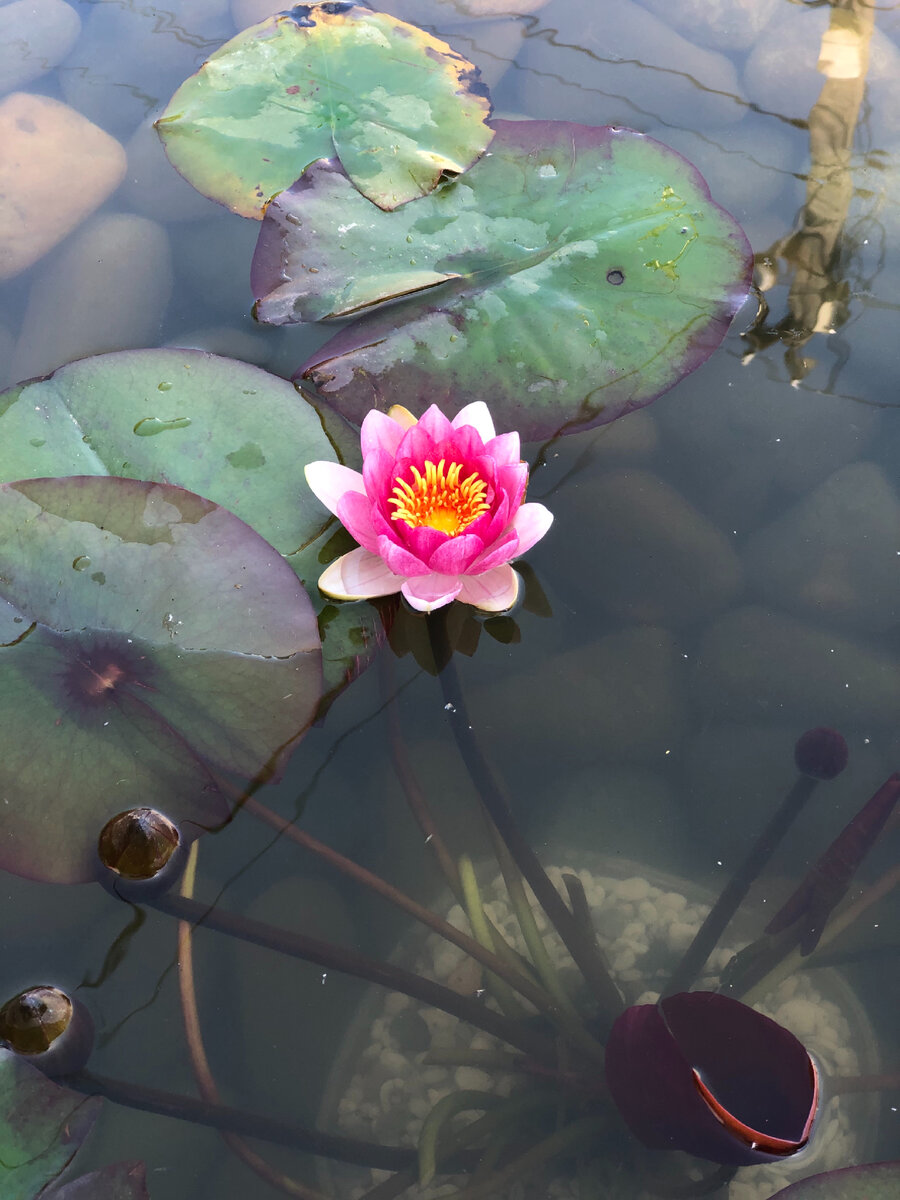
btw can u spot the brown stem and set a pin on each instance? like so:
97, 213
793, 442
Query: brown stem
517, 979
237, 1120
350, 962
203, 1075
733, 893
415, 797
585, 953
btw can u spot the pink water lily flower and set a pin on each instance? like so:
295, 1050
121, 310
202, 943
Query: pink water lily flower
437, 510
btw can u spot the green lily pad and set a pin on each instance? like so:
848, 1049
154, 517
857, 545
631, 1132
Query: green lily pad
163, 652
119, 1181
41, 1127
397, 106
220, 428
876, 1181
573, 274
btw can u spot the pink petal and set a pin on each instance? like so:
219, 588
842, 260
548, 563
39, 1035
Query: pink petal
421, 541
380, 432
357, 576
513, 480
531, 522
501, 551
378, 474
329, 481
399, 559
455, 555
494, 591
465, 445
416, 445
492, 524
477, 415
355, 514
434, 424
428, 592
504, 449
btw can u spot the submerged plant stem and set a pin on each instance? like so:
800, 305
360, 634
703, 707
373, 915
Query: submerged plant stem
206, 1084
562, 1141
751, 990
736, 889
585, 953
237, 1120
502, 968
350, 962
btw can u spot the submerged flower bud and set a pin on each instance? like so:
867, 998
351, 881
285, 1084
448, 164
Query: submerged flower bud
44, 1024
821, 753
138, 843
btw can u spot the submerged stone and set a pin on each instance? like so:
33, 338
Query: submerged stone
653, 557
119, 267
35, 35
755, 662
836, 554
56, 168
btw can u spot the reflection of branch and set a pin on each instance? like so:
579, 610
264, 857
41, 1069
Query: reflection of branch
818, 298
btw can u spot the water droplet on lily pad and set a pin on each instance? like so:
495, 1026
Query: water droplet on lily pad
81, 563
150, 426
165, 386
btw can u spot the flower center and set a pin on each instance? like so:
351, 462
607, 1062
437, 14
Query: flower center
439, 499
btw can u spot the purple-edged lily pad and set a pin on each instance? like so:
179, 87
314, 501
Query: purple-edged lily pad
703, 1073
221, 428
154, 650
397, 106
875, 1181
572, 274
119, 1181
41, 1127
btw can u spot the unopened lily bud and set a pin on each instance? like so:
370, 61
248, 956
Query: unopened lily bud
821, 753
55, 1032
138, 844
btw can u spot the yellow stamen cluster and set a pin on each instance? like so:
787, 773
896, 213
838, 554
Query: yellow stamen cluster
439, 499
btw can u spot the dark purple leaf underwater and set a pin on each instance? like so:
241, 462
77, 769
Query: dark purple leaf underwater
703, 1073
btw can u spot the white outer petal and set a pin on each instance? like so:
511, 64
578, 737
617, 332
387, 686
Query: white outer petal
476, 414
493, 591
328, 481
358, 575
434, 597
531, 522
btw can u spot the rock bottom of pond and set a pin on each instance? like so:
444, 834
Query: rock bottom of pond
382, 1087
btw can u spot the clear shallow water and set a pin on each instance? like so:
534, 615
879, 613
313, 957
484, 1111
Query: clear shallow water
723, 571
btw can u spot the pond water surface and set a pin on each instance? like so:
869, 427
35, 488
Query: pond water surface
722, 574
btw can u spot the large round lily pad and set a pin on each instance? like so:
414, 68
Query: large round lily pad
574, 273
162, 653
41, 1127
876, 1181
397, 106
221, 428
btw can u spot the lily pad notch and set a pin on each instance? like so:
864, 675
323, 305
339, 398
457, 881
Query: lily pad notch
272, 100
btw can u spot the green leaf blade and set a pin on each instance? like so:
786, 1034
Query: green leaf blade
277, 96
169, 656
579, 271
42, 1126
